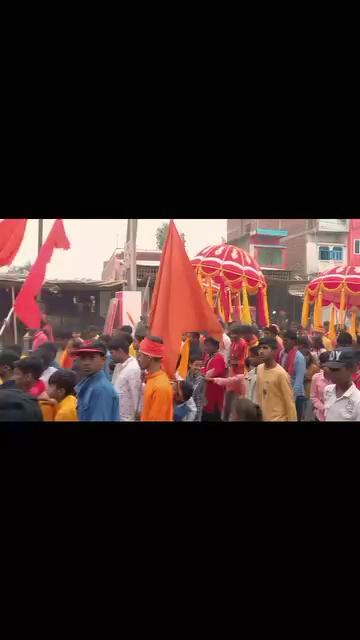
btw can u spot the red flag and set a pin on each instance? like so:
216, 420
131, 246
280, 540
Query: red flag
12, 232
178, 304
26, 307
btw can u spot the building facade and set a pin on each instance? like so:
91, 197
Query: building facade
295, 250
265, 240
316, 245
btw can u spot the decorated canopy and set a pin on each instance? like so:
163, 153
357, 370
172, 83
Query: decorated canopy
339, 287
226, 272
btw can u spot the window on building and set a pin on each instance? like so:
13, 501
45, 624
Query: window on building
269, 257
357, 247
331, 253
337, 253
324, 253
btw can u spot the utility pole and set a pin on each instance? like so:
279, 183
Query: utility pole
131, 254
40, 234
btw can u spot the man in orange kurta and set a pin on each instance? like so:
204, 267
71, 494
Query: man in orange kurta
158, 395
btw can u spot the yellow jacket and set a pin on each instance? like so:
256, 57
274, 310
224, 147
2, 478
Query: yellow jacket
66, 410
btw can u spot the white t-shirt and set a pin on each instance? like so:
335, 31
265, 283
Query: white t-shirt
225, 350
127, 383
47, 375
343, 409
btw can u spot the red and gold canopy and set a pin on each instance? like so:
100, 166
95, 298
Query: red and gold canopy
229, 265
223, 272
335, 281
340, 287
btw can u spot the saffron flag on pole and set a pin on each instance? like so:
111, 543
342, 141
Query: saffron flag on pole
179, 304
26, 307
12, 232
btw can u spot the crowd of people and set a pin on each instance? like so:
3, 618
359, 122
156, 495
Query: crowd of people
273, 374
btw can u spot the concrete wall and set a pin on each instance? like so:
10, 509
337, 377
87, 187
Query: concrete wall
333, 224
296, 254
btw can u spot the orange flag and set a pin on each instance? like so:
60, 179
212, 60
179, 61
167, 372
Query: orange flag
178, 304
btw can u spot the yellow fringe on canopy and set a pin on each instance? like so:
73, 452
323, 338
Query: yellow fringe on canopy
353, 324
246, 314
239, 303
305, 310
318, 325
230, 306
332, 331
201, 283
209, 294
185, 357
266, 306
221, 310
342, 307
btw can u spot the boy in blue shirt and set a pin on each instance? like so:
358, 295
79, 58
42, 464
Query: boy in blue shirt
97, 398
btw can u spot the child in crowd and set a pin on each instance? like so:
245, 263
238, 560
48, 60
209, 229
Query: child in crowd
243, 410
27, 373
185, 407
7, 361
318, 384
62, 389
197, 381
273, 386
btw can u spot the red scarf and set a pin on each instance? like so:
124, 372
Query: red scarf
37, 389
290, 361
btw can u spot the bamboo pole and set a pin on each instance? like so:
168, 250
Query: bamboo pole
6, 321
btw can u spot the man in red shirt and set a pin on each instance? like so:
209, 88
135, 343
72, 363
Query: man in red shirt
237, 350
214, 367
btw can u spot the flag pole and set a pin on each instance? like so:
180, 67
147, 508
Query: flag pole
6, 321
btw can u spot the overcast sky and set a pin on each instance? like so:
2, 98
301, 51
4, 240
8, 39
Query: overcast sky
94, 241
